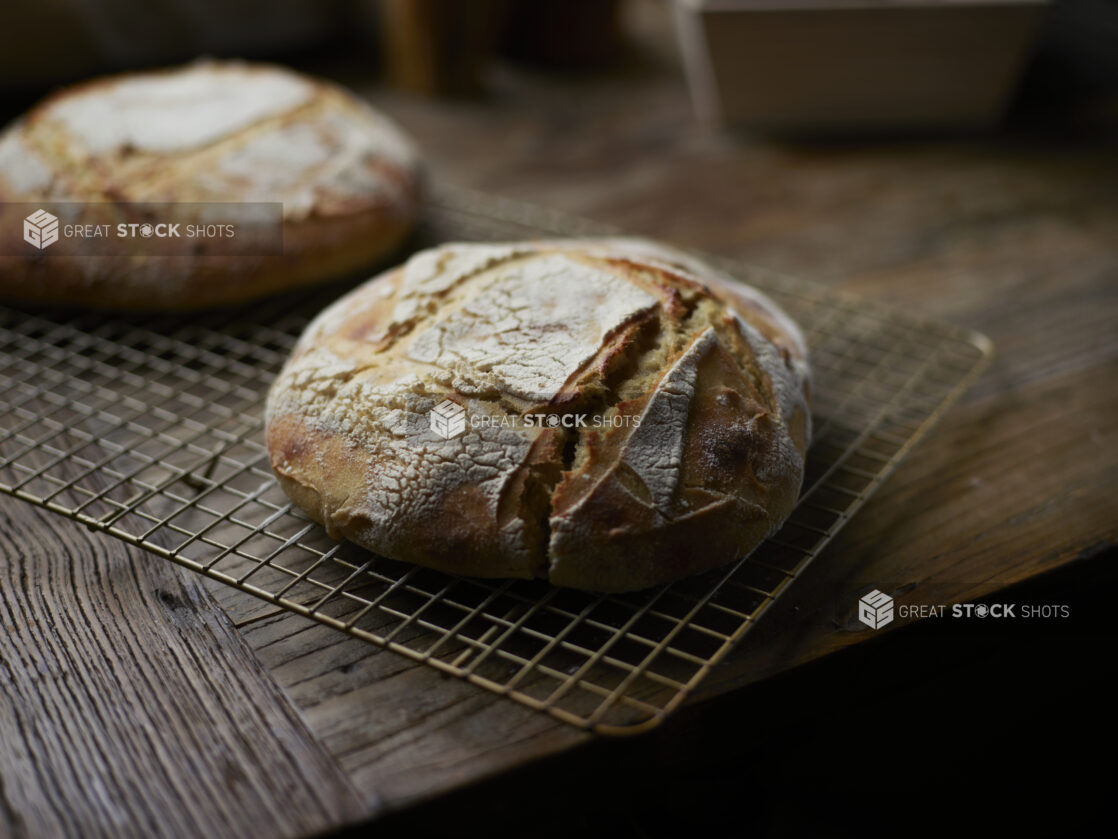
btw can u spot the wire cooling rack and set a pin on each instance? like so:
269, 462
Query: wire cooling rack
151, 429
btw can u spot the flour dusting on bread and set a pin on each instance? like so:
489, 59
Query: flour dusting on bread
174, 112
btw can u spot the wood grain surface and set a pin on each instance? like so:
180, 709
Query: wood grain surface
130, 707
1012, 234
401, 730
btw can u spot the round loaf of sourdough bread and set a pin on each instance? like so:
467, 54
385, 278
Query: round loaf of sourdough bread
208, 133
433, 414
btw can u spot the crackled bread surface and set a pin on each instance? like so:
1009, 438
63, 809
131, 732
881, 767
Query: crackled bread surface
628, 416
211, 132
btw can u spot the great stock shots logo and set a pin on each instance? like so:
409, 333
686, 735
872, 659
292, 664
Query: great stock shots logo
66, 229
875, 609
447, 419
40, 229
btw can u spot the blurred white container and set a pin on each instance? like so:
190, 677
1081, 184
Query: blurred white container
855, 65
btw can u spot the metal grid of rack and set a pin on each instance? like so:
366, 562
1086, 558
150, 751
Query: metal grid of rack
150, 429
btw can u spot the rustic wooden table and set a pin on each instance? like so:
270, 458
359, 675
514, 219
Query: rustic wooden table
132, 702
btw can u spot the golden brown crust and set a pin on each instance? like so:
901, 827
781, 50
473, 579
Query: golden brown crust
694, 391
349, 181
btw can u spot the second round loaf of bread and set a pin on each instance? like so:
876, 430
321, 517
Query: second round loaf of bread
194, 140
